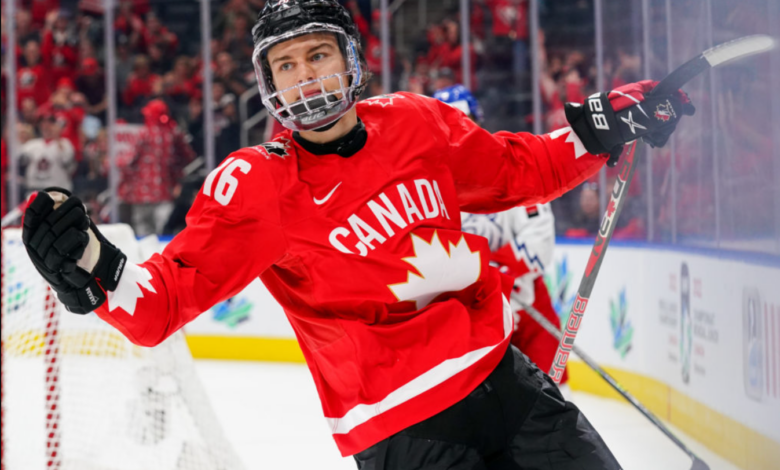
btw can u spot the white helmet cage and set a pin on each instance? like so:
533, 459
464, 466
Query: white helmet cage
317, 110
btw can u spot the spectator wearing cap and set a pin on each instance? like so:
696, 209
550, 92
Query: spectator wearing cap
32, 78
150, 178
49, 160
59, 48
91, 83
140, 85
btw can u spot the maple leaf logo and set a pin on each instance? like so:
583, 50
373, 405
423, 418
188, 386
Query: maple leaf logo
439, 270
275, 147
579, 147
664, 111
383, 100
128, 291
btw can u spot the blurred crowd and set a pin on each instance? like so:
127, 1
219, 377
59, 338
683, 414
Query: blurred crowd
62, 101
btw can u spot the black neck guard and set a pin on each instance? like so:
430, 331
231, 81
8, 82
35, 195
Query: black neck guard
345, 146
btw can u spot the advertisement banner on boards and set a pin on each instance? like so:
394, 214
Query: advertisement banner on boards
708, 327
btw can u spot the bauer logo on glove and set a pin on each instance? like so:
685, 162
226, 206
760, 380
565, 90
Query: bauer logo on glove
69, 251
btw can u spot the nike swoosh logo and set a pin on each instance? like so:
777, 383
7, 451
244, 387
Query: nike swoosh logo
322, 201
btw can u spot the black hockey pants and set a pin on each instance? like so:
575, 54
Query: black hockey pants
516, 419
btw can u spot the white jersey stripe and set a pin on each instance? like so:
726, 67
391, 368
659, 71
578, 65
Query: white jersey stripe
428, 380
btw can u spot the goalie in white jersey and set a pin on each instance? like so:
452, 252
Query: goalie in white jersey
521, 241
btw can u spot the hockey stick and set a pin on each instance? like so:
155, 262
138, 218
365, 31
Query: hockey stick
615, 206
698, 464
713, 57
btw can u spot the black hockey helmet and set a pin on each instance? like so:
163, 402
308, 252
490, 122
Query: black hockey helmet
282, 20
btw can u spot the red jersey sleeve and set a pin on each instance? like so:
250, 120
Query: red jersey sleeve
233, 234
494, 172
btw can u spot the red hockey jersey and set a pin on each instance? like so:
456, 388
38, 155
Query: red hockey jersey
396, 310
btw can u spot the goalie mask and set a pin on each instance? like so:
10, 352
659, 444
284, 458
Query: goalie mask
283, 20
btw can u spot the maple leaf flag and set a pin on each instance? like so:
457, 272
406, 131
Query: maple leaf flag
440, 271
128, 291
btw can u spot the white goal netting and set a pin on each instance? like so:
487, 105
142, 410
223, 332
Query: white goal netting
77, 395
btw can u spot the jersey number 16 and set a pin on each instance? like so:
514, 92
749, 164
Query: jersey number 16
227, 184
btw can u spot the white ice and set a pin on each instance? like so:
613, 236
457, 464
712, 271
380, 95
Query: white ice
271, 414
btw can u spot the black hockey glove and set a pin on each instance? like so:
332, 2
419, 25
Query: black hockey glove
607, 121
56, 234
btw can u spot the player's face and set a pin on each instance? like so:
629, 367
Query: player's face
303, 59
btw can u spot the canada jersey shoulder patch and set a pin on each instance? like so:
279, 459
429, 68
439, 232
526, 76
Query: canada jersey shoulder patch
280, 147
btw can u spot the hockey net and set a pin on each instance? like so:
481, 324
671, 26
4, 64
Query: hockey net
77, 395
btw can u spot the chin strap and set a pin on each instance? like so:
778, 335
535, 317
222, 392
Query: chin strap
327, 127
345, 146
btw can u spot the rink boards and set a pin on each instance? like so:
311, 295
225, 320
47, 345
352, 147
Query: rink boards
694, 334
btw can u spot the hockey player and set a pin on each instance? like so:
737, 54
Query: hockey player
351, 220
521, 243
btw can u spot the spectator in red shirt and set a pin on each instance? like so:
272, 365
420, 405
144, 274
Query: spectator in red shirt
151, 178
92, 84
59, 47
24, 31
510, 30
129, 24
179, 84
155, 34
438, 46
140, 85
40, 8
452, 53
32, 78
67, 107
373, 44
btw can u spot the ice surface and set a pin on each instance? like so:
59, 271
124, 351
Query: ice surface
271, 414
